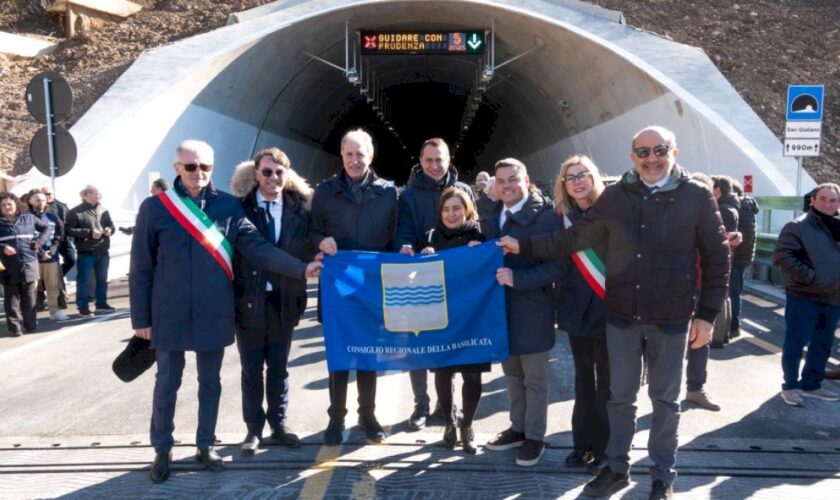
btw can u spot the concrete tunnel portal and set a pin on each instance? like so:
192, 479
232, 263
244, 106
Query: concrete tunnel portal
576, 79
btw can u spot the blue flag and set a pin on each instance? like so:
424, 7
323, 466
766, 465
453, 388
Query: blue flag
390, 311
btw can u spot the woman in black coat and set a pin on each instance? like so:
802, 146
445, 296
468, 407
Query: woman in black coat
581, 312
457, 226
21, 235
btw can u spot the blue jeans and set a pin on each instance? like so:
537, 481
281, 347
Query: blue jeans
736, 289
807, 323
87, 263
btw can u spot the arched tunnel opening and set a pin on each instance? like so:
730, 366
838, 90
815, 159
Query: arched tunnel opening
563, 81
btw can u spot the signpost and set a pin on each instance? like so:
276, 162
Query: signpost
49, 100
804, 124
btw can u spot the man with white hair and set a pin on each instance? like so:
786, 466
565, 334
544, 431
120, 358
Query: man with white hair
657, 222
354, 210
181, 290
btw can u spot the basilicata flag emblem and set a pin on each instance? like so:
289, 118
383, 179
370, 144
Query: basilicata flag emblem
414, 297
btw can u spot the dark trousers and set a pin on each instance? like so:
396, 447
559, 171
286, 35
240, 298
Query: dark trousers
267, 350
19, 304
590, 422
68, 255
664, 353
419, 386
696, 368
92, 263
470, 394
736, 289
807, 323
170, 368
366, 385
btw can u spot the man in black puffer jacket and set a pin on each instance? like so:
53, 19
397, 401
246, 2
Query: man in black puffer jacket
417, 215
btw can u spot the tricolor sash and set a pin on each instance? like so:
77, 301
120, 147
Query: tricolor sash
200, 227
589, 265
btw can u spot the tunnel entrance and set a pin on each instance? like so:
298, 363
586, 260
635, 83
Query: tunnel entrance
575, 80
419, 111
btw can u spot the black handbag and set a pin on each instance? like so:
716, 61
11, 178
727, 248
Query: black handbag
137, 357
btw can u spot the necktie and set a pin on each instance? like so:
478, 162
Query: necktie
271, 231
506, 225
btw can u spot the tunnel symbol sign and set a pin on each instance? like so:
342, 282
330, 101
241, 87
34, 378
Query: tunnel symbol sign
805, 103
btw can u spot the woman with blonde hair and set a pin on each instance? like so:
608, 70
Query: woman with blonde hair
578, 186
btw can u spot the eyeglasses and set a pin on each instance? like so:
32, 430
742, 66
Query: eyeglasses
660, 151
568, 179
190, 167
268, 173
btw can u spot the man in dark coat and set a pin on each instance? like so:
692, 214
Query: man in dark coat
529, 303
90, 226
657, 222
417, 215
181, 290
354, 210
743, 255
808, 252
268, 306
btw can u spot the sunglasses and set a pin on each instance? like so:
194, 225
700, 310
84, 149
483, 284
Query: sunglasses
190, 167
660, 151
568, 179
268, 173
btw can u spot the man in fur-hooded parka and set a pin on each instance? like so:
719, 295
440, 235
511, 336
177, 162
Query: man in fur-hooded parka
268, 306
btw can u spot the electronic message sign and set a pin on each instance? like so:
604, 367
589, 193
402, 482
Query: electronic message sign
422, 42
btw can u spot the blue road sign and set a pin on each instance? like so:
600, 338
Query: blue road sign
805, 103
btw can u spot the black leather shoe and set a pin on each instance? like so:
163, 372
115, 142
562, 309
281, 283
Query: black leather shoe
333, 436
661, 491
285, 436
417, 420
450, 436
249, 445
594, 467
578, 458
209, 459
373, 430
607, 483
468, 440
159, 471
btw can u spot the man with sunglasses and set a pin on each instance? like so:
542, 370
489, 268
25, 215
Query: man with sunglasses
181, 290
268, 306
656, 222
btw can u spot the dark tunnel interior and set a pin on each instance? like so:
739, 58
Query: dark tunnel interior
419, 111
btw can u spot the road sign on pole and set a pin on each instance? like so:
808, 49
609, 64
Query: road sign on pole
804, 112
49, 100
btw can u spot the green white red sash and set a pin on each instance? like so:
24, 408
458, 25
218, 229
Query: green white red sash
589, 265
200, 227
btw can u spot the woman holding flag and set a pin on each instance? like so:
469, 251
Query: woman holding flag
457, 226
581, 311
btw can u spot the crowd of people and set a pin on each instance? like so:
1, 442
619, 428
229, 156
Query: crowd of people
41, 241
643, 272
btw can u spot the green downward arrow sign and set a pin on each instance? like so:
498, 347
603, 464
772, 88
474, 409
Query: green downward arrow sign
474, 42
